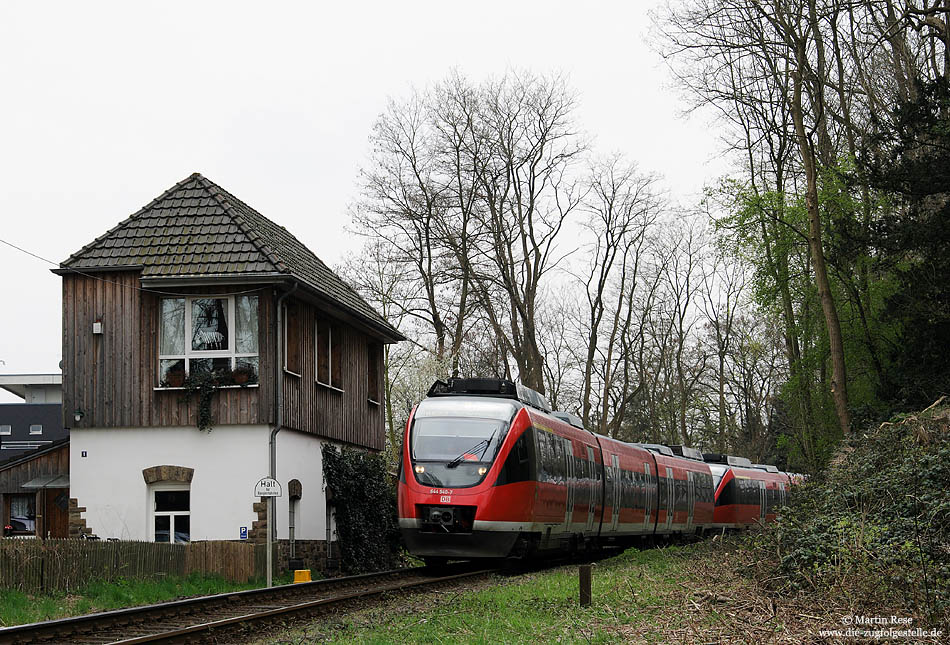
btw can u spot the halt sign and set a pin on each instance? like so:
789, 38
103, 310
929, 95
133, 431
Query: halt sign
267, 487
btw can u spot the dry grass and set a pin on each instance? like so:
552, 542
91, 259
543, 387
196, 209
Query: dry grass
695, 594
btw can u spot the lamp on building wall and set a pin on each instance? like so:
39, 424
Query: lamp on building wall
78, 415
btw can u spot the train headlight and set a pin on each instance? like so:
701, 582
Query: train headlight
420, 469
482, 471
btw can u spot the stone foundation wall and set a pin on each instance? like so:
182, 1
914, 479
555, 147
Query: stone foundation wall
258, 532
312, 552
77, 523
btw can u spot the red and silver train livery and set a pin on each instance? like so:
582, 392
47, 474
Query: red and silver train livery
746, 493
488, 470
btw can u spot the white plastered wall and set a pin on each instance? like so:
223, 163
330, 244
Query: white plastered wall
227, 462
299, 457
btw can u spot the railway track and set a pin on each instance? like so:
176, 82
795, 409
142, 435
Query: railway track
214, 617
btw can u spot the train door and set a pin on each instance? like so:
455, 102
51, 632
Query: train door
690, 498
670, 498
571, 483
591, 498
763, 500
647, 496
617, 489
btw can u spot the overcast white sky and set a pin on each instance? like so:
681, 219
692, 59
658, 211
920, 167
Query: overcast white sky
106, 105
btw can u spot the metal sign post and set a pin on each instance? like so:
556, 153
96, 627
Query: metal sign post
270, 488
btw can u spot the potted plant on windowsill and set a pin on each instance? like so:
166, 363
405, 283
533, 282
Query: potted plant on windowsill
175, 378
244, 376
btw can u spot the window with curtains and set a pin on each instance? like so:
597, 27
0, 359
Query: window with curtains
22, 513
216, 334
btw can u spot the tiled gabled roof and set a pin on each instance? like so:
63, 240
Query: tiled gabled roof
196, 228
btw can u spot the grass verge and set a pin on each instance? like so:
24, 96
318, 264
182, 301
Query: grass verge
17, 608
686, 594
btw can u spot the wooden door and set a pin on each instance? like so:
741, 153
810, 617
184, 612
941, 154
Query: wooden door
56, 513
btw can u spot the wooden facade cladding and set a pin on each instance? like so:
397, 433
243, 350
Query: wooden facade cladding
343, 413
50, 518
53, 462
112, 377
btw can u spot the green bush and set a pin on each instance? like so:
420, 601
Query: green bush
365, 503
874, 528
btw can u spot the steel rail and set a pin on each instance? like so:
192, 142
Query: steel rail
304, 607
85, 626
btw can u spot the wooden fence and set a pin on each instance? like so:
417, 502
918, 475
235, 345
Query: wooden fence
37, 566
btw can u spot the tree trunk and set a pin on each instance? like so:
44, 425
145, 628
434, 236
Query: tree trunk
839, 381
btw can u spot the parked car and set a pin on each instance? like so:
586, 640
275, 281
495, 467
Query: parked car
22, 524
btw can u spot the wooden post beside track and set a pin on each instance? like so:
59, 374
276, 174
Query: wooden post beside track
584, 579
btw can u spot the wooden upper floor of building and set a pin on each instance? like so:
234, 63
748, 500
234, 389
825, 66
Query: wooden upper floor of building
199, 283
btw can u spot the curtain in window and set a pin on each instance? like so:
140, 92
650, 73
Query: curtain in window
172, 326
245, 324
23, 506
209, 324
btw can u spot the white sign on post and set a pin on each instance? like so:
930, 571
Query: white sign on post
267, 487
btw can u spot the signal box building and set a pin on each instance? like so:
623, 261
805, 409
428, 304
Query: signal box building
199, 288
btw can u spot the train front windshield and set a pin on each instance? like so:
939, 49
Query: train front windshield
718, 472
454, 440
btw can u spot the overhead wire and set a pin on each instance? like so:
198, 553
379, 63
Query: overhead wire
121, 284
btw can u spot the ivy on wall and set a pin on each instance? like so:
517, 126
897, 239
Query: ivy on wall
365, 503
201, 385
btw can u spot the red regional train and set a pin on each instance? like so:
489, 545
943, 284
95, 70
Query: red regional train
488, 470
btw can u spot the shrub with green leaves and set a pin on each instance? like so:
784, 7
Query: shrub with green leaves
365, 504
875, 526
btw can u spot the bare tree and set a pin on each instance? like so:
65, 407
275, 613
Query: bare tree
683, 281
723, 285
775, 40
623, 205
527, 192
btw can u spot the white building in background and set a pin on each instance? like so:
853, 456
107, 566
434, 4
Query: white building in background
34, 388
38, 420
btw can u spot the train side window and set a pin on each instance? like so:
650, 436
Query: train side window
559, 455
543, 459
517, 466
551, 457
521, 449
